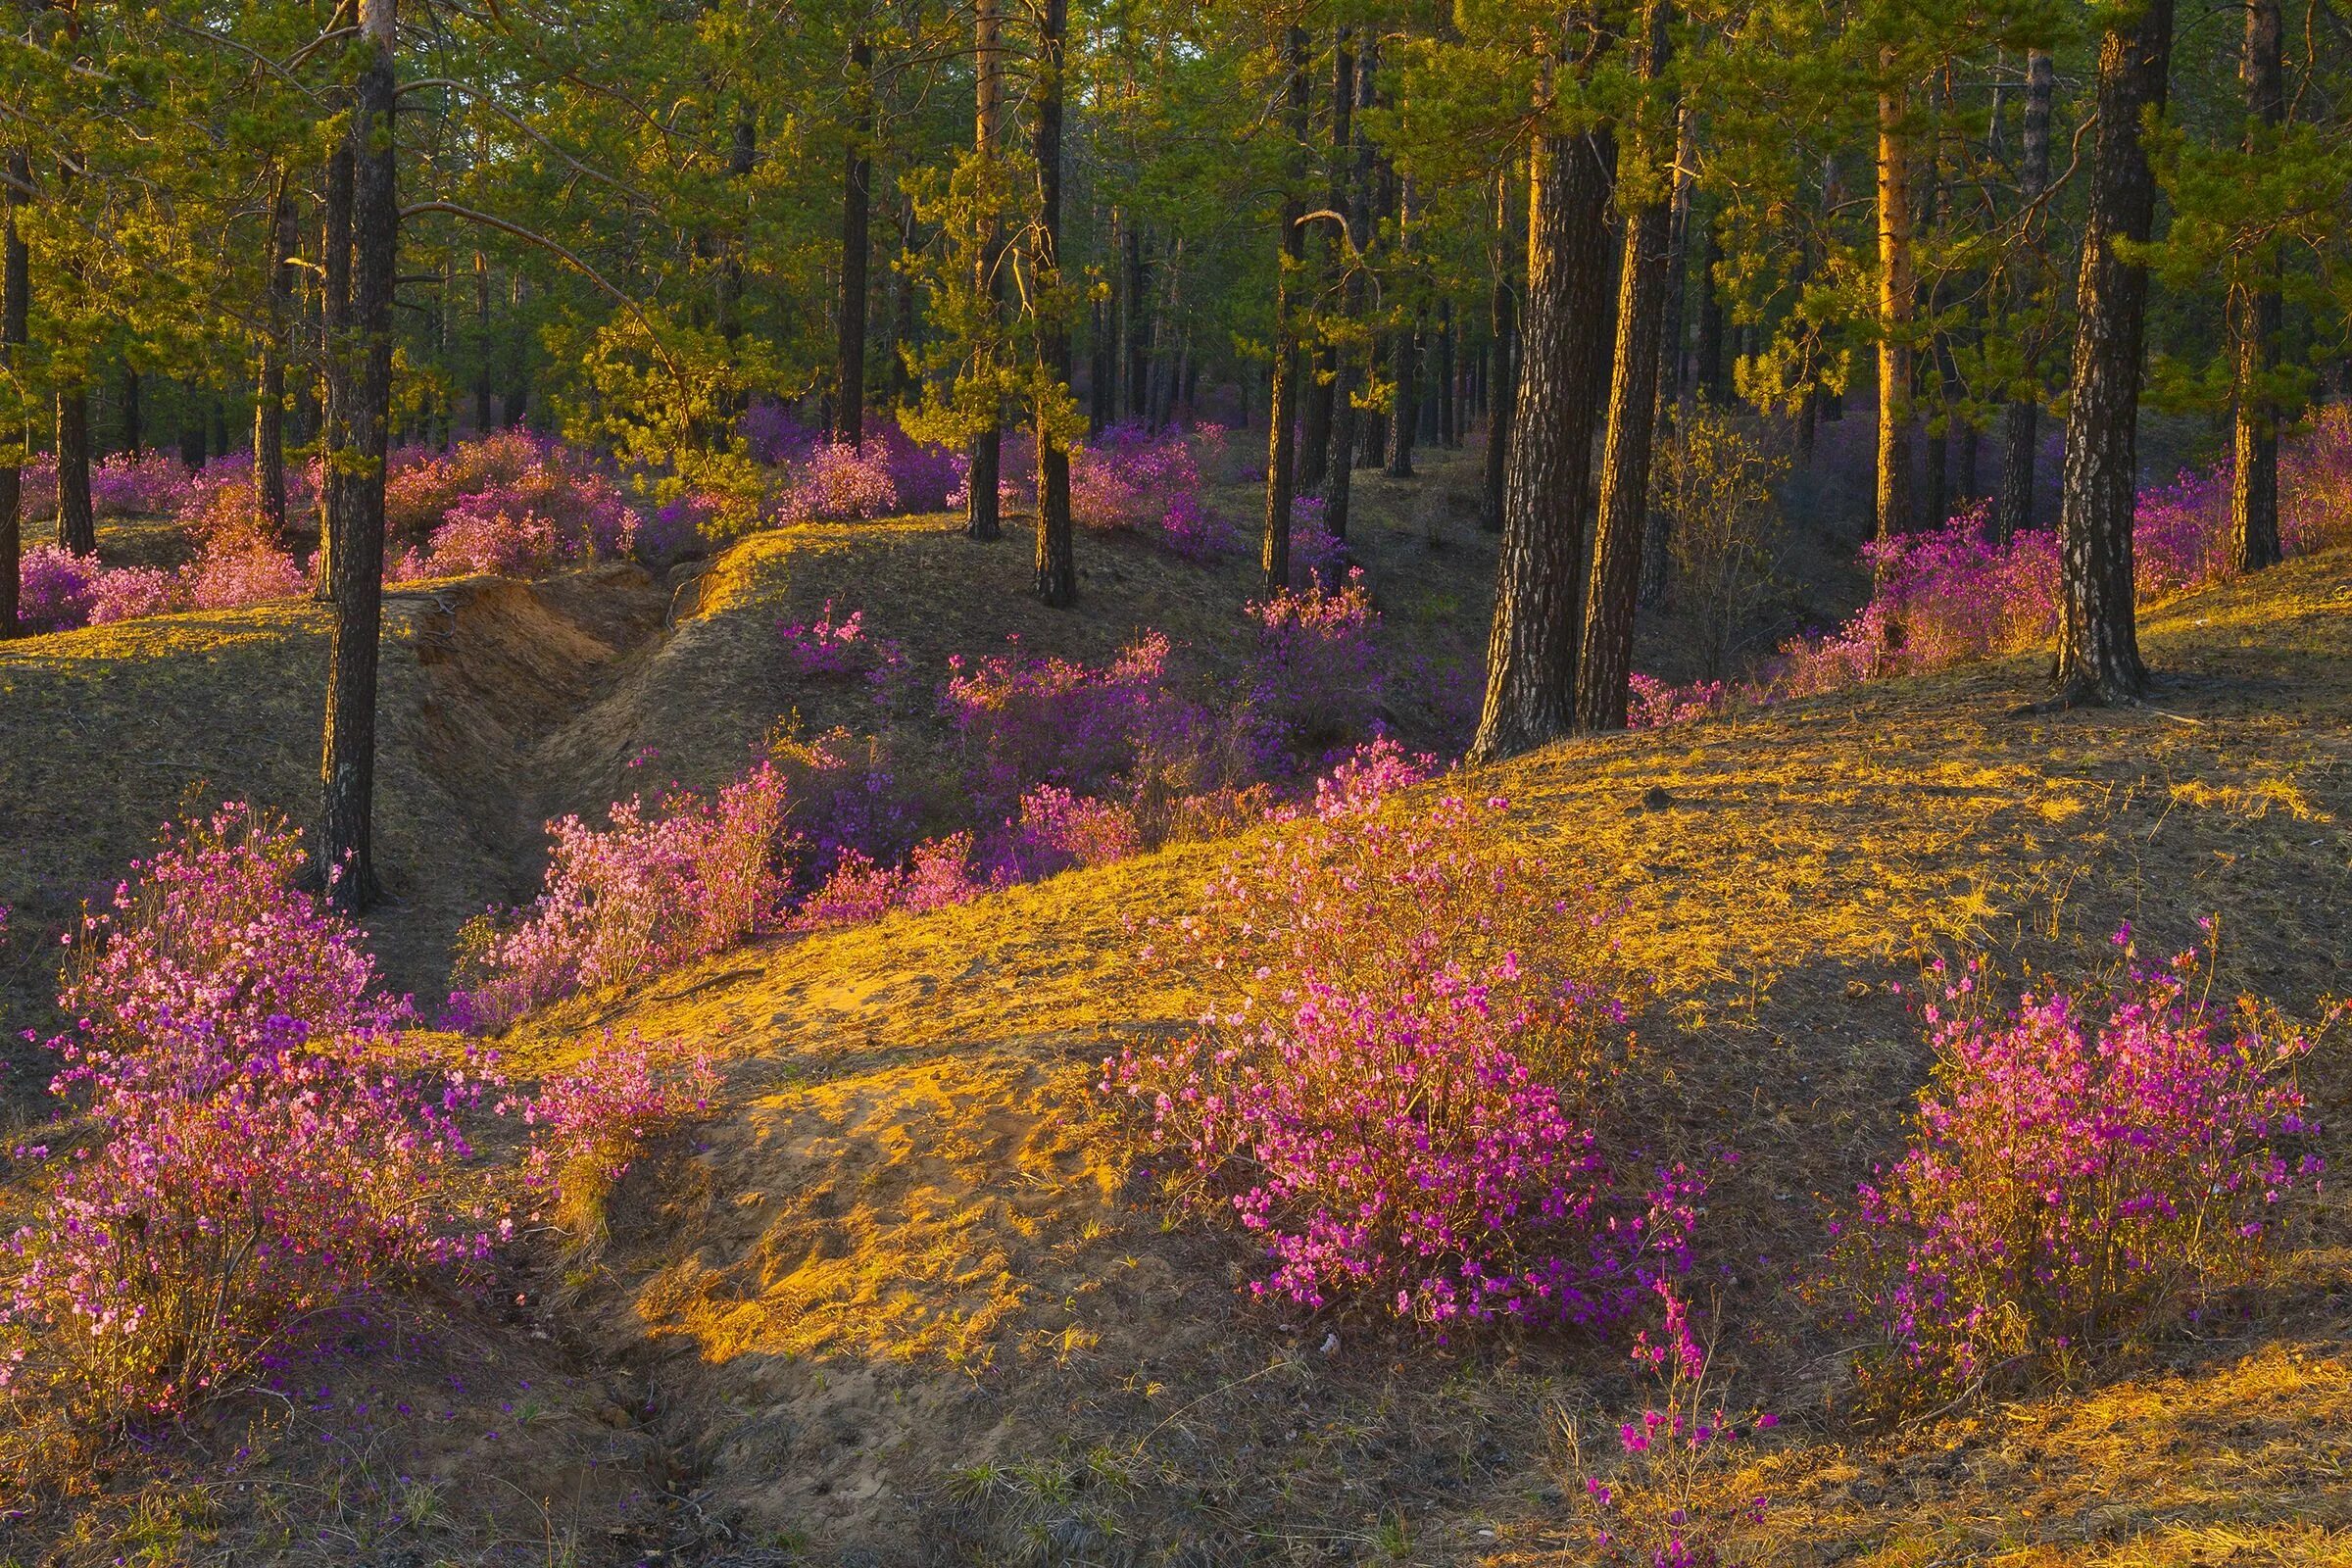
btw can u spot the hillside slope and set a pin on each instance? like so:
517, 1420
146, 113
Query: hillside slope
903, 1305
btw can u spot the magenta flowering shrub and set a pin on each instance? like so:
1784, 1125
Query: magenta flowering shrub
54, 588
1056, 830
1367, 775
2315, 483
1657, 1501
511, 502
1026, 722
839, 482
122, 593
827, 647
774, 434
1399, 1077
260, 1153
921, 475
1316, 676
146, 483
2080, 1170
37, 486
653, 889
235, 568
1650, 703
938, 872
589, 1123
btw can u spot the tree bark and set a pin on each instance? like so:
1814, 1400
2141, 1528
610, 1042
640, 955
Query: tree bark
1405, 411
16, 314
1532, 649
135, 424
347, 763
335, 365
2254, 486
484, 416
1633, 421
2013, 512
76, 522
1896, 303
1139, 327
2098, 639
1707, 374
982, 504
1274, 554
269, 397
1502, 317
1353, 193
1056, 562
1672, 392
1323, 390
857, 207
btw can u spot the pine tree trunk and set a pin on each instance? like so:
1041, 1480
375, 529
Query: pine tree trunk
1139, 327
1057, 561
1673, 391
1274, 554
1323, 390
1633, 420
269, 398
347, 764
856, 208
2013, 512
335, 367
1353, 191
1405, 412
2254, 486
2098, 641
134, 425
16, 320
982, 519
1502, 316
1892, 510
1707, 374
1530, 652
76, 522
484, 416
1448, 410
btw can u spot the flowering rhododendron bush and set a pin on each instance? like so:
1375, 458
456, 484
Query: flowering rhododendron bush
2083, 1167
1316, 674
130, 483
656, 887
1400, 1075
1024, 721
510, 502
839, 482
589, 1122
254, 1149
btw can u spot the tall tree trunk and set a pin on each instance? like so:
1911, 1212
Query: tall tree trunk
1896, 303
1353, 191
1274, 555
2098, 637
2013, 512
1707, 374
1449, 413
856, 206
2254, 488
1674, 391
1057, 561
1405, 412
336, 373
347, 763
1139, 327
484, 416
1502, 317
1617, 540
1530, 652
1323, 389
269, 397
76, 522
982, 503
15, 319
134, 423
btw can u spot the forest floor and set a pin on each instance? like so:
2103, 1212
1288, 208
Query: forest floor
899, 1301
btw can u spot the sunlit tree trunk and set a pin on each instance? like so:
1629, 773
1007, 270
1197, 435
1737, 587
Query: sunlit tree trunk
269, 397
2013, 511
857, 209
347, 765
2254, 488
15, 319
1503, 356
1673, 387
1896, 301
1057, 561
1355, 198
1274, 557
1531, 650
2098, 640
981, 517
335, 365
1633, 419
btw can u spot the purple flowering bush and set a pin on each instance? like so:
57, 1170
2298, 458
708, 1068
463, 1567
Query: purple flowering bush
1655, 1502
511, 502
655, 888
1024, 721
830, 646
55, 588
1316, 676
839, 482
936, 873
2082, 1168
133, 483
589, 1123
253, 1147
1399, 1083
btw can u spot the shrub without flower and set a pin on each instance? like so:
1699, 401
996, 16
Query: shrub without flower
2081, 1169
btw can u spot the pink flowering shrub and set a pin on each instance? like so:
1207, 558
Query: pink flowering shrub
2315, 484
651, 890
239, 566
2080, 1170
1651, 703
839, 482
1315, 676
1027, 722
1057, 830
774, 434
260, 1149
827, 647
131, 483
922, 476
1367, 775
511, 502
936, 873
54, 588
1654, 1501
1399, 1077
589, 1123
36, 495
